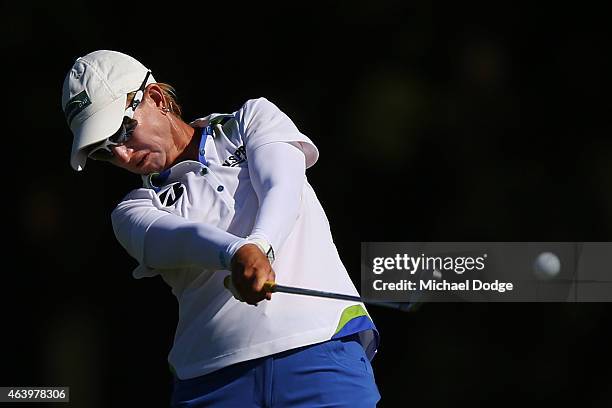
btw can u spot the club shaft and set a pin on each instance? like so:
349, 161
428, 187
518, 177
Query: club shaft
317, 293
330, 295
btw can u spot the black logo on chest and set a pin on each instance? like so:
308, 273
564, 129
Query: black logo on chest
238, 157
171, 194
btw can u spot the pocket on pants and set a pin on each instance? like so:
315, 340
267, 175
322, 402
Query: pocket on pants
348, 353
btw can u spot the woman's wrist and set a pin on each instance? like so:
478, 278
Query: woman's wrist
263, 244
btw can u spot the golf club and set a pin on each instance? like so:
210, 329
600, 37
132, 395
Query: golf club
273, 287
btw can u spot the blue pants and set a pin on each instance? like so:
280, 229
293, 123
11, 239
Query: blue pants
335, 373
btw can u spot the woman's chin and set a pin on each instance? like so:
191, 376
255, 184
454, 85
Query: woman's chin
151, 164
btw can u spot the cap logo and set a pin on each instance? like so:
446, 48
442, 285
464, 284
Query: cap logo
75, 105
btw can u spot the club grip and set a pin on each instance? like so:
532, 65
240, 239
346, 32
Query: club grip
269, 286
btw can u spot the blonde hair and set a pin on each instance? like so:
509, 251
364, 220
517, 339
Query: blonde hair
170, 95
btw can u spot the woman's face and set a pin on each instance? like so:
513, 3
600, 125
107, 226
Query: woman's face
151, 142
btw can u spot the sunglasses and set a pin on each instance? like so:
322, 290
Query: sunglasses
102, 150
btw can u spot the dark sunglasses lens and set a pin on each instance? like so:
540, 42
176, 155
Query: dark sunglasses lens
121, 136
125, 131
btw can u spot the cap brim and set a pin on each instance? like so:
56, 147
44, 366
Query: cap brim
95, 128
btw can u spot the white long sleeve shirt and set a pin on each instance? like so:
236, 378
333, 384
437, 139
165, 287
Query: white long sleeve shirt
187, 227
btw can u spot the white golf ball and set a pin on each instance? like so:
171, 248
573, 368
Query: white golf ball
547, 265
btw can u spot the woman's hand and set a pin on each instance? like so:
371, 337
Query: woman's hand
250, 270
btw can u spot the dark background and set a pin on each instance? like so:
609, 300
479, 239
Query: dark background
435, 122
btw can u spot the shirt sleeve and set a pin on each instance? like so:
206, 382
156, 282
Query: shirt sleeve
261, 121
160, 240
277, 172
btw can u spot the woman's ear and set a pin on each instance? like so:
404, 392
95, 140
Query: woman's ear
155, 95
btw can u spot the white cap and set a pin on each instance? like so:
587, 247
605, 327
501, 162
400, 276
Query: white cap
94, 97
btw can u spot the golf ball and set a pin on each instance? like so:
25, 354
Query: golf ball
547, 265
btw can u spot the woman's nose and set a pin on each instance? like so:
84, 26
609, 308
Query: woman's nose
122, 153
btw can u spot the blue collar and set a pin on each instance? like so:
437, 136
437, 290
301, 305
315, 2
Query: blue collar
206, 131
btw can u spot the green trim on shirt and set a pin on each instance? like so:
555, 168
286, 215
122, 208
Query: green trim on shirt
348, 314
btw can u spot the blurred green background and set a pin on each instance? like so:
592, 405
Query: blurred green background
435, 122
